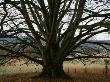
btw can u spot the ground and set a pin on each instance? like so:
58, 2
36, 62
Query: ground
76, 78
78, 75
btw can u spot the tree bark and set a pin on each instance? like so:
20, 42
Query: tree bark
52, 65
54, 70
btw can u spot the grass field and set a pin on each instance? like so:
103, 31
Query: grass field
77, 77
92, 74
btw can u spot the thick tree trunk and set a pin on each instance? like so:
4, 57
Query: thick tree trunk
52, 65
54, 71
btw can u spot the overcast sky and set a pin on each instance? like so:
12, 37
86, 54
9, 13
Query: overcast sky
102, 36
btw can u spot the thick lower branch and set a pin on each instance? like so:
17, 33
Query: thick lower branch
22, 55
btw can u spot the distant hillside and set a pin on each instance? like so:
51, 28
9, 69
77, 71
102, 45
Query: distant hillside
9, 41
96, 46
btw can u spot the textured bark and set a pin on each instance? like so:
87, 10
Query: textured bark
54, 70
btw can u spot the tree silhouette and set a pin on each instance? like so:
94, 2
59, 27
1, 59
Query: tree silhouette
52, 30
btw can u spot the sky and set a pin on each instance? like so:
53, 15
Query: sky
102, 36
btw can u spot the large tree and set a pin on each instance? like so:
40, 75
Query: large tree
53, 29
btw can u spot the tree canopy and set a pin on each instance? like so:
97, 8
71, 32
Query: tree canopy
51, 30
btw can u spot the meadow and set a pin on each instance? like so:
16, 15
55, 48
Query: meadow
79, 73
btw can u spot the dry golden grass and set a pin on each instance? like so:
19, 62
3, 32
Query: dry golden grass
78, 76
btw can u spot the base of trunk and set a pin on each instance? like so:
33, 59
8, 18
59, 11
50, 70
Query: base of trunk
53, 73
